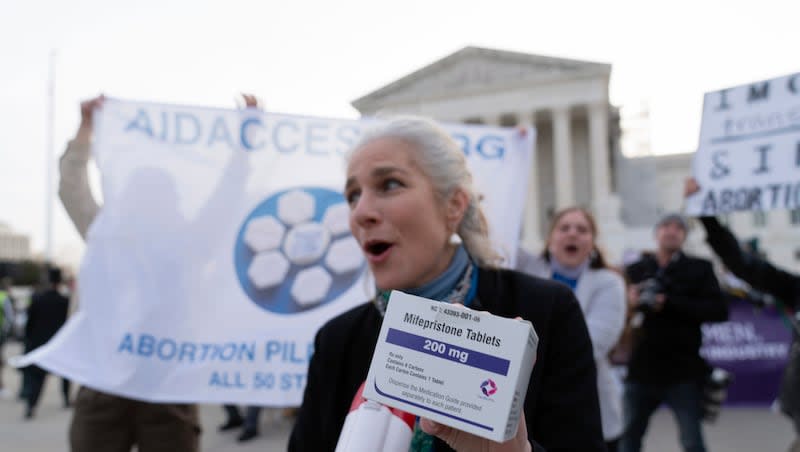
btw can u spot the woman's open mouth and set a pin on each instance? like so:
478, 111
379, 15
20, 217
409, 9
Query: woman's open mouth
571, 249
377, 250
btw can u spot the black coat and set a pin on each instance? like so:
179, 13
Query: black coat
561, 406
759, 273
666, 348
46, 314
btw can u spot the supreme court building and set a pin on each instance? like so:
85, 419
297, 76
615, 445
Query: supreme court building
566, 100
578, 158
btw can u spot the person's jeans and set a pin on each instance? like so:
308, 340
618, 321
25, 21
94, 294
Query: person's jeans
642, 399
233, 413
251, 414
35, 377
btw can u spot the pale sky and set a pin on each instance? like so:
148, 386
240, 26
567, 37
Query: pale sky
314, 57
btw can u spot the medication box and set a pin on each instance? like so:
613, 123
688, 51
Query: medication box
462, 368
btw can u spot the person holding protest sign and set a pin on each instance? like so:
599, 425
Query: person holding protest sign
422, 230
101, 421
765, 277
571, 256
675, 293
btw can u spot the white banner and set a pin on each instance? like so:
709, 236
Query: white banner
223, 245
749, 152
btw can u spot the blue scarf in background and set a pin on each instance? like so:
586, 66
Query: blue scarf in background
567, 275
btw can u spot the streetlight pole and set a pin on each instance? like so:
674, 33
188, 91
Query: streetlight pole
51, 91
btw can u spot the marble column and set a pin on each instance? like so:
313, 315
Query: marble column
562, 158
532, 238
598, 145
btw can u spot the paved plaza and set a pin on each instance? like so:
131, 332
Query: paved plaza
737, 430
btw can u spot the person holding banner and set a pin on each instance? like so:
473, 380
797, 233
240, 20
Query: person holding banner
419, 223
571, 256
765, 277
104, 422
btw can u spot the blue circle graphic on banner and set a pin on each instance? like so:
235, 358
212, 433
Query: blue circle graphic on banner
294, 251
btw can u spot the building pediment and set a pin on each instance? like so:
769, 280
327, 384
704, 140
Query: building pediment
475, 70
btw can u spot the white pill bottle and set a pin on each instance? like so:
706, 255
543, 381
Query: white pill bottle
371, 426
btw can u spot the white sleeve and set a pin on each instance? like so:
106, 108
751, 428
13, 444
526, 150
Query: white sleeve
605, 314
73, 187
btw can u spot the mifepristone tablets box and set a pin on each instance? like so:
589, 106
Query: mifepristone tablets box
462, 368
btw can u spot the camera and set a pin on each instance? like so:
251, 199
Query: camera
715, 391
648, 290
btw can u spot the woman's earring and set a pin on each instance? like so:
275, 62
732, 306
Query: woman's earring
455, 239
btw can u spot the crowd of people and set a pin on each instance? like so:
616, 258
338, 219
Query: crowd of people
418, 220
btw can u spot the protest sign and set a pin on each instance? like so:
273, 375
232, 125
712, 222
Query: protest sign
223, 245
748, 157
754, 346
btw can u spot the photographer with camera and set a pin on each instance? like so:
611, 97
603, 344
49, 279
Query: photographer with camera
675, 293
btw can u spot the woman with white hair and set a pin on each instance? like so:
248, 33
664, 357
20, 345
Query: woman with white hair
410, 192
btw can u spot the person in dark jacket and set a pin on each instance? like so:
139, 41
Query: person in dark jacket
767, 278
409, 193
676, 294
46, 315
